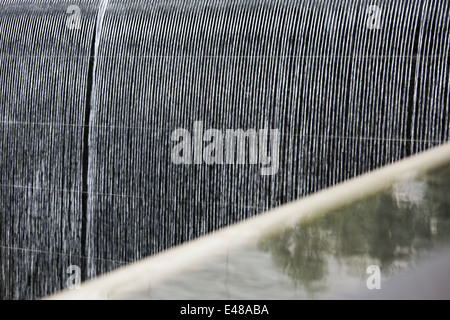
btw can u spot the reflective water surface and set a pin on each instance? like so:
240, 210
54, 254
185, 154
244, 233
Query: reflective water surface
404, 230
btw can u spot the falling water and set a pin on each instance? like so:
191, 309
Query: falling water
87, 177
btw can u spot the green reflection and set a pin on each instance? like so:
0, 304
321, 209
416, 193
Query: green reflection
393, 229
300, 252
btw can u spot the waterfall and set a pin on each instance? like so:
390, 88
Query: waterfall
346, 94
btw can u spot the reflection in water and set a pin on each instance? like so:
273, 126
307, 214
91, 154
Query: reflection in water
394, 228
300, 253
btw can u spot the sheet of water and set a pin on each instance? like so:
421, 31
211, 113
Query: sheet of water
87, 115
